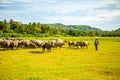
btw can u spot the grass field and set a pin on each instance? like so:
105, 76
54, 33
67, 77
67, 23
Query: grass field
63, 64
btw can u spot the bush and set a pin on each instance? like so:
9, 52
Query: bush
28, 35
12, 35
57, 35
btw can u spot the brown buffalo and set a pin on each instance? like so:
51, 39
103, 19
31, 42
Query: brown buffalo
82, 44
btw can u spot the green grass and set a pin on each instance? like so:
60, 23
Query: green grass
63, 64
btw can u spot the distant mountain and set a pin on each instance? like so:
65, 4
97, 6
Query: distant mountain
117, 30
83, 27
75, 27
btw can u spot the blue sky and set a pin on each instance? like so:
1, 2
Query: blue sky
103, 14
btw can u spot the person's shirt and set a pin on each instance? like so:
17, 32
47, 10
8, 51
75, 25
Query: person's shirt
96, 42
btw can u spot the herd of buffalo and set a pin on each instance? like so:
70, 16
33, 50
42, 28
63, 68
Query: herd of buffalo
15, 43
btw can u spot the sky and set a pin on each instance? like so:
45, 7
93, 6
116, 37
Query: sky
103, 14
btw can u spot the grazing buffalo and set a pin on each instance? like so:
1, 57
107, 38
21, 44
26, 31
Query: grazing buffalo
28, 44
13, 44
38, 43
5, 44
47, 45
71, 43
58, 42
85, 44
16, 42
1, 43
25, 43
82, 44
32, 45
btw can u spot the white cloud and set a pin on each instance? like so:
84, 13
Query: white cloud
107, 2
73, 19
11, 1
5, 1
110, 14
23, 0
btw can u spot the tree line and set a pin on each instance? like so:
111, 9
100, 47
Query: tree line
13, 28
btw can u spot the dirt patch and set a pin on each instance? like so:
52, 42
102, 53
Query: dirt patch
105, 72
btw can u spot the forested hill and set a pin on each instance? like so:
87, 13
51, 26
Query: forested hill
36, 29
75, 27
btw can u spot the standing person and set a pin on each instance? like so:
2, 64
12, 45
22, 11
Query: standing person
96, 43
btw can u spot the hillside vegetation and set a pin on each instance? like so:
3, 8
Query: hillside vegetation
75, 27
18, 29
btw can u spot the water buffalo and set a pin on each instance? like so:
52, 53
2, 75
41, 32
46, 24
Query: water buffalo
0, 43
47, 45
85, 44
25, 43
38, 43
5, 43
28, 44
13, 44
58, 42
9, 43
71, 43
32, 45
82, 44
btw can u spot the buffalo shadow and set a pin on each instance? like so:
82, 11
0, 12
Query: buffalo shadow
36, 52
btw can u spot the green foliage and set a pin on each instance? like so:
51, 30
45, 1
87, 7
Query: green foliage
17, 29
12, 35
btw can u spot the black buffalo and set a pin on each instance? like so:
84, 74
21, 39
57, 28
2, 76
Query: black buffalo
47, 45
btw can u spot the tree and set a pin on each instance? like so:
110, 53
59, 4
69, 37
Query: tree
92, 33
